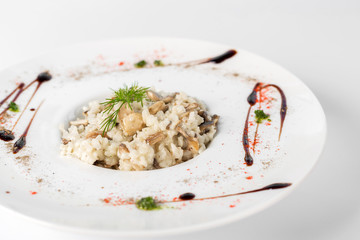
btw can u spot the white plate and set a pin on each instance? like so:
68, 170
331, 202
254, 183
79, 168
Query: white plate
70, 194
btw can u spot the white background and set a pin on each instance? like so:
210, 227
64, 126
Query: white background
316, 40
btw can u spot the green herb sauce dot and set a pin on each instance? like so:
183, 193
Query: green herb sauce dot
13, 107
158, 63
147, 204
260, 116
140, 64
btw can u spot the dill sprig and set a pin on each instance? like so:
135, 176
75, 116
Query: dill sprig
123, 96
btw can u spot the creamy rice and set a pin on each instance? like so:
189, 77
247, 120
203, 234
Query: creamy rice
179, 131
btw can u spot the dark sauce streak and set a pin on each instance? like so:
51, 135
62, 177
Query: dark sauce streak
283, 108
268, 187
252, 98
20, 89
21, 142
248, 158
32, 109
187, 196
8, 135
222, 57
41, 78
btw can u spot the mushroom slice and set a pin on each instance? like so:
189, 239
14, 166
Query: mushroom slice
193, 143
153, 96
206, 125
204, 115
78, 122
155, 138
123, 148
124, 111
93, 134
156, 107
191, 107
169, 98
132, 123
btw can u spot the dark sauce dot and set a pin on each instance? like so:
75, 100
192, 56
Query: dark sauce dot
44, 77
187, 196
248, 159
19, 144
6, 135
252, 98
32, 109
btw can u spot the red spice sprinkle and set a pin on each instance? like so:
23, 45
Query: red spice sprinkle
7, 192
107, 200
33, 193
121, 63
188, 169
249, 177
232, 205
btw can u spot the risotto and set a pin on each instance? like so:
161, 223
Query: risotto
162, 131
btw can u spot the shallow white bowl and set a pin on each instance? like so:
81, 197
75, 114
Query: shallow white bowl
70, 194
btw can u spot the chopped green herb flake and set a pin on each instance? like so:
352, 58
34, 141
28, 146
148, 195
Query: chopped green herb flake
260, 116
140, 64
147, 204
13, 107
158, 63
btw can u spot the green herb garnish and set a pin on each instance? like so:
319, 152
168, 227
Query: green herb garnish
158, 63
123, 96
13, 107
140, 64
260, 116
147, 203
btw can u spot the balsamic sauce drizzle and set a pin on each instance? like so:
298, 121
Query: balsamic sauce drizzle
8, 135
21, 89
191, 196
41, 78
252, 99
217, 59
20, 86
21, 142
283, 108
